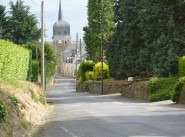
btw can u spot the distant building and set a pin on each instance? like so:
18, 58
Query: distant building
65, 48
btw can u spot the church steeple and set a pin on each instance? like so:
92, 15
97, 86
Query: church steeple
60, 11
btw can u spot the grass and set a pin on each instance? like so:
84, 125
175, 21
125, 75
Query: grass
14, 101
33, 95
16, 84
24, 125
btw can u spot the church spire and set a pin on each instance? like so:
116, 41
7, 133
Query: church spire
60, 12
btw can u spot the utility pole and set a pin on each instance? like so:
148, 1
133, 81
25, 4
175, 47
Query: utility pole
102, 37
42, 48
80, 50
76, 62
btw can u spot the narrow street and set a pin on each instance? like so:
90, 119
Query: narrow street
87, 115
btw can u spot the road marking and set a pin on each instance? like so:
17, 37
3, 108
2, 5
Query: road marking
73, 135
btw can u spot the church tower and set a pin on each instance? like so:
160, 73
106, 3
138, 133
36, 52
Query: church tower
61, 37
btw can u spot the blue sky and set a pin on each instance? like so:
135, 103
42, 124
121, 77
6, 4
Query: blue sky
74, 12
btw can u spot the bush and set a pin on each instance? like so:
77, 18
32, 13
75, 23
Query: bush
181, 67
85, 66
178, 89
50, 56
14, 61
3, 111
51, 61
35, 70
89, 75
160, 89
98, 71
14, 101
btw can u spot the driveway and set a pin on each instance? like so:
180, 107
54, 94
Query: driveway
87, 115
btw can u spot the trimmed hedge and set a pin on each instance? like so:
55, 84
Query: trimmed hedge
178, 88
160, 89
29, 74
98, 71
35, 70
85, 66
14, 61
181, 67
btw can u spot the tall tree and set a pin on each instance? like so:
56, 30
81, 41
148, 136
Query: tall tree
100, 21
21, 25
2, 19
163, 28
149, 38
127, 42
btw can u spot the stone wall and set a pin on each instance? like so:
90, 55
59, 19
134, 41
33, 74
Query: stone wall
95, 87
137, 90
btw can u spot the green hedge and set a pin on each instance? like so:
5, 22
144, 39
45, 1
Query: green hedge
14, 61
85, 66
98, 71
181, 67
89, 75
35, 70
50, 58
29, 74
160, 89
178, 88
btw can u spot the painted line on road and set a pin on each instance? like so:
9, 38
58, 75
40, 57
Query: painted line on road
67, 131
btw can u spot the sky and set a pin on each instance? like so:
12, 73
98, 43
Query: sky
74, 12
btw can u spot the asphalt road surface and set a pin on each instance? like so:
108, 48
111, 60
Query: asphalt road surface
88, 115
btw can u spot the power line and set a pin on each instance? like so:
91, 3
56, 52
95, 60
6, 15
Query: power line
35, 2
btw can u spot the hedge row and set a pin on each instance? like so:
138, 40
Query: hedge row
178, 89
85, 66
160, 89
88, 70
181, 67
14, 61
98, 71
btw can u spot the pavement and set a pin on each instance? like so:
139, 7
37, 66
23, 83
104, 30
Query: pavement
89, 115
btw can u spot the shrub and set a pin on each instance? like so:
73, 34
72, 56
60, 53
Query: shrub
35, 70
89, 75
98, 71
181, 67
14, 101
85, 66
160, 89
50, 56
3, 110
33, 96
51, 61
178, 89
14, 61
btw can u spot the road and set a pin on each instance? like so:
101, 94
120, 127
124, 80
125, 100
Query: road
87, 115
